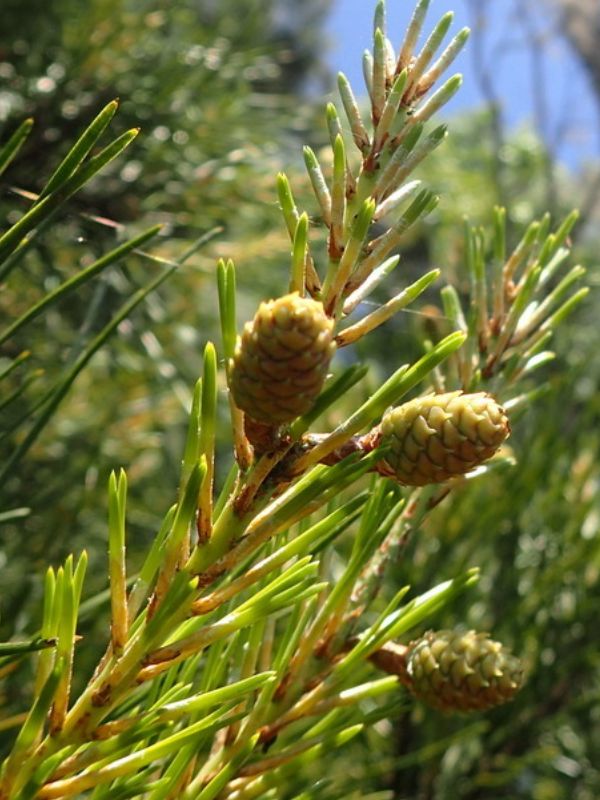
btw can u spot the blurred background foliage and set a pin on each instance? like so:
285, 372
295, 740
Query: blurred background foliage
215, 93
224, 93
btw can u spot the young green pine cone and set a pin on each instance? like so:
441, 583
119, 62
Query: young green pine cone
436, 437
455, 671
282, 358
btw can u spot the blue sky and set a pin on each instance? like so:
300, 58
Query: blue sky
571, 110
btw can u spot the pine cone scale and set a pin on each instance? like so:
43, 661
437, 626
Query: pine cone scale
282, 359
455, 671
437, 437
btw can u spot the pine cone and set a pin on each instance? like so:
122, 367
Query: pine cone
436, 437
282, 358
456, 671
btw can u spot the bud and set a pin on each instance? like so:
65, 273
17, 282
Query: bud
282, 358
456, 671
439, 436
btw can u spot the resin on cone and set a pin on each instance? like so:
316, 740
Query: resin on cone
282, 359
458, 671
439, 436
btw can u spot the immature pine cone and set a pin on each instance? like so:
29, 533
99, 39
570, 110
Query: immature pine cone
436, 437
454, 671
282, 358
